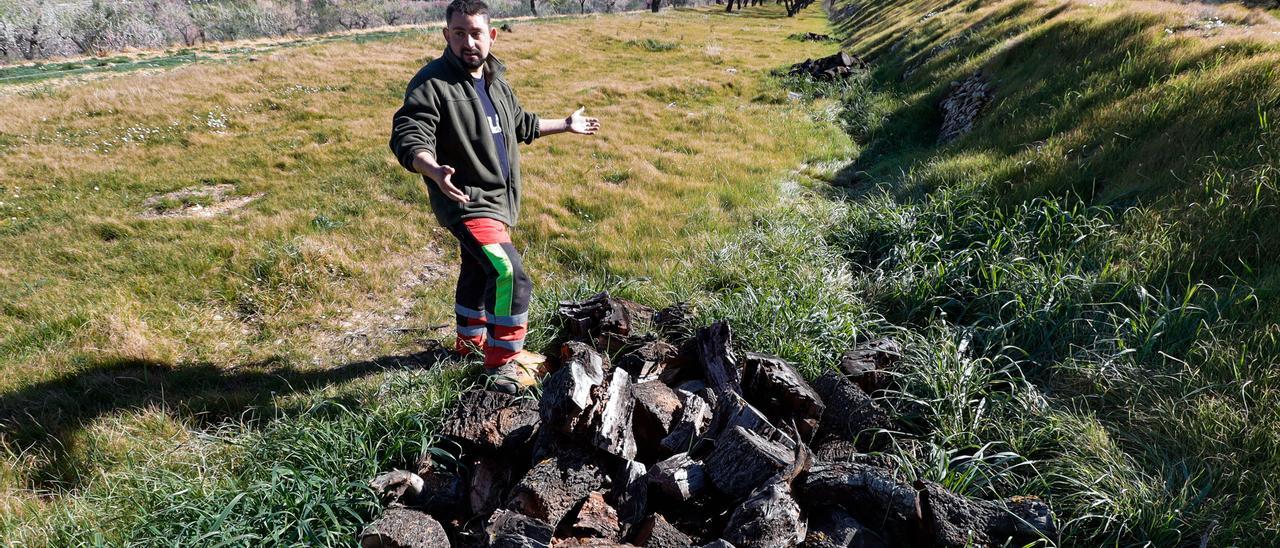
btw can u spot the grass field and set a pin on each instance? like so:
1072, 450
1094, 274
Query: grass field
148, 356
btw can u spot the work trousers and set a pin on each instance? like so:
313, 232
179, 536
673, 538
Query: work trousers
492, 297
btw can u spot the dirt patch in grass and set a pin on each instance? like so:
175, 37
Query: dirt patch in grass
196, 202
371, 323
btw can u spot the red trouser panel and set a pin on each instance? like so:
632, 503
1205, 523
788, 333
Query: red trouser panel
482, 280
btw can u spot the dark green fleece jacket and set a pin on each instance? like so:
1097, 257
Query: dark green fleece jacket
442, 115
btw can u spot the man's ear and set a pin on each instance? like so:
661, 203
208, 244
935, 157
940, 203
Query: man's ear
493, 34
445, 33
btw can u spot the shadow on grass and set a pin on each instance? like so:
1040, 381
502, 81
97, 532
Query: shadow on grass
45, 419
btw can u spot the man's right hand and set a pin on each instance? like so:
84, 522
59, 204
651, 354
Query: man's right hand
440, 175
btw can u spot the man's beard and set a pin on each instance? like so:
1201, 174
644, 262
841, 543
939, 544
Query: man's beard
471, 63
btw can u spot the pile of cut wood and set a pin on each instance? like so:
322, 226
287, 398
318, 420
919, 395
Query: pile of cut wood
682, 440
837, 66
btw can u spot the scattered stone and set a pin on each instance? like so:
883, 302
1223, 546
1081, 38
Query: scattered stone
961, 106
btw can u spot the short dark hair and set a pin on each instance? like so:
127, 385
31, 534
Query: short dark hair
468, 8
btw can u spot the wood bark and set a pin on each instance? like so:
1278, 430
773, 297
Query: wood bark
490, 421
679, 478
657, 532
873, 494
557, 485
850, 413
774, 386
404, 528
955, 520
870, 365
743, 459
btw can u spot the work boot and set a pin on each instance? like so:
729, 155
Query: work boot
533, 362
509, 377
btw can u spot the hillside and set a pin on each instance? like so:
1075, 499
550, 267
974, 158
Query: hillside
1107, 232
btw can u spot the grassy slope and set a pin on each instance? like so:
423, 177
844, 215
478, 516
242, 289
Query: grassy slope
127, 343
1108, 232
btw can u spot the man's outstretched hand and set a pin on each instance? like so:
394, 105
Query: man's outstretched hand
582, 125
442, 176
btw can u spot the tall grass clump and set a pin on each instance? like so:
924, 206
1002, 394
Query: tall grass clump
299, 477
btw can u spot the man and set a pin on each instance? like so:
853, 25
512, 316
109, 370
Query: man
459, 127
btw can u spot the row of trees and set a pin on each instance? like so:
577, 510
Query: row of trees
39, 29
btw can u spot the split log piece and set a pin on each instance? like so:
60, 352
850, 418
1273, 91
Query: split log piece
833, 527
956, 520
613, 433
656, 532
850, 411
773, 385
397, 487
508, 529
873, 494
490, 421
404, 528
870, 365
567, 394
679, 477
743, 459
555, 486
597, 519
648, 362
716, 355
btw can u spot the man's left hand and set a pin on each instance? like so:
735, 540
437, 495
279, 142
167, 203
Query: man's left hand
582, 125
